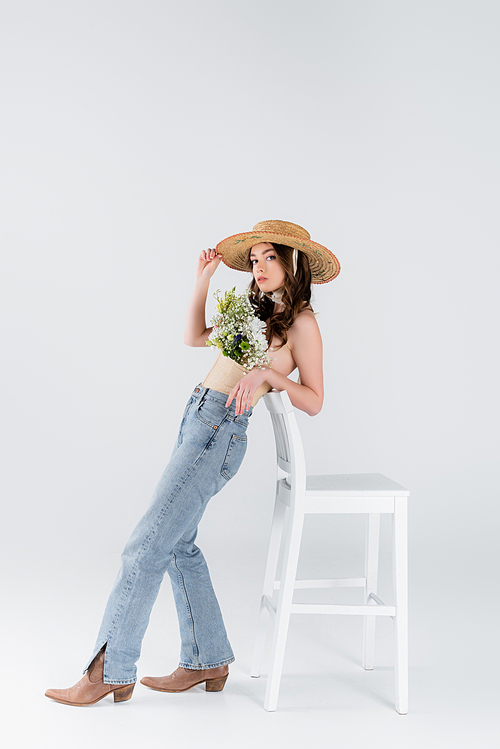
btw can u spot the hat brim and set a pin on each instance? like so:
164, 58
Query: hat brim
235, 253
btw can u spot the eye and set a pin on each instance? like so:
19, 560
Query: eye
267, 257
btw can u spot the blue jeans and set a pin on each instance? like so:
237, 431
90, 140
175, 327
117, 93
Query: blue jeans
210, 447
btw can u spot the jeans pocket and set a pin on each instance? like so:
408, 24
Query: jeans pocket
234, 456
211, 412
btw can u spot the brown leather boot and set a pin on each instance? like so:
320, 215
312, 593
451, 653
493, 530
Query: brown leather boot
183, 679
91, 688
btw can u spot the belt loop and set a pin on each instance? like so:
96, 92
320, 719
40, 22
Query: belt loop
199, 391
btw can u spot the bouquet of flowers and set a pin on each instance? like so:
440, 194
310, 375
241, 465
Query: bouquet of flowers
237, 332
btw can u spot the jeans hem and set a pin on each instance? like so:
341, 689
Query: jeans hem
209, 665
116, 683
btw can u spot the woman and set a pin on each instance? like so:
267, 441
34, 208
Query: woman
210, 447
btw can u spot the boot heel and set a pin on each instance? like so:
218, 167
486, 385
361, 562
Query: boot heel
215, 685
123, 694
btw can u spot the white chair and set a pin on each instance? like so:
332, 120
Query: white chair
298, 494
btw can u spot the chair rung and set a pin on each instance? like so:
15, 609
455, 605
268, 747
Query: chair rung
329, 608
270, 605
339, 582
378, 601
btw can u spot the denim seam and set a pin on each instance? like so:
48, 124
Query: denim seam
188, 607
184, 418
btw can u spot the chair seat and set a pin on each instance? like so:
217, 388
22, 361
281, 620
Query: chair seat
345, 493
354, 485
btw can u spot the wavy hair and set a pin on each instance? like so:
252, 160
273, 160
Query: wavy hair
296, 295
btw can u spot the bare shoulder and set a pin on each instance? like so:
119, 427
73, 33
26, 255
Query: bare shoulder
304, 337
304, 324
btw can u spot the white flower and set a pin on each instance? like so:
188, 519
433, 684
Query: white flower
238, 332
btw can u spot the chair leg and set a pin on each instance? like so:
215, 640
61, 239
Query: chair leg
293, 531
269, 578
371, 574
400, 571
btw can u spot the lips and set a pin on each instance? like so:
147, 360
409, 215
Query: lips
261, 278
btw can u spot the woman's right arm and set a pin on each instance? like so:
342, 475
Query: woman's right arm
196, 332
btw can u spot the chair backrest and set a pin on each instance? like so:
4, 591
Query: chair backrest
289, 448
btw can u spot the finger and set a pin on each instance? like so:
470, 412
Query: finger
237, 403
230, 397
240, 400
244, 401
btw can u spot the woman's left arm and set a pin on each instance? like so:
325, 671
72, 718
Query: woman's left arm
307, 350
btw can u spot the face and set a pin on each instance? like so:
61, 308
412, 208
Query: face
266, 267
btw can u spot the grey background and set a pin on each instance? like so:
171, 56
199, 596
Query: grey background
133, 135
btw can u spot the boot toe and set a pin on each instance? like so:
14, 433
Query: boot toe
151, 681
60, 695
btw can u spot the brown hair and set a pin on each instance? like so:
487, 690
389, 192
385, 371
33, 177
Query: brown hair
296, 295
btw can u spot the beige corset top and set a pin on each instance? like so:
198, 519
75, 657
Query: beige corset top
226, 373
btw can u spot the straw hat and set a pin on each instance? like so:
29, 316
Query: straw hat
235, 250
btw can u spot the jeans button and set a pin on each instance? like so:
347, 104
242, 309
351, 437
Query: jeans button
197, 390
